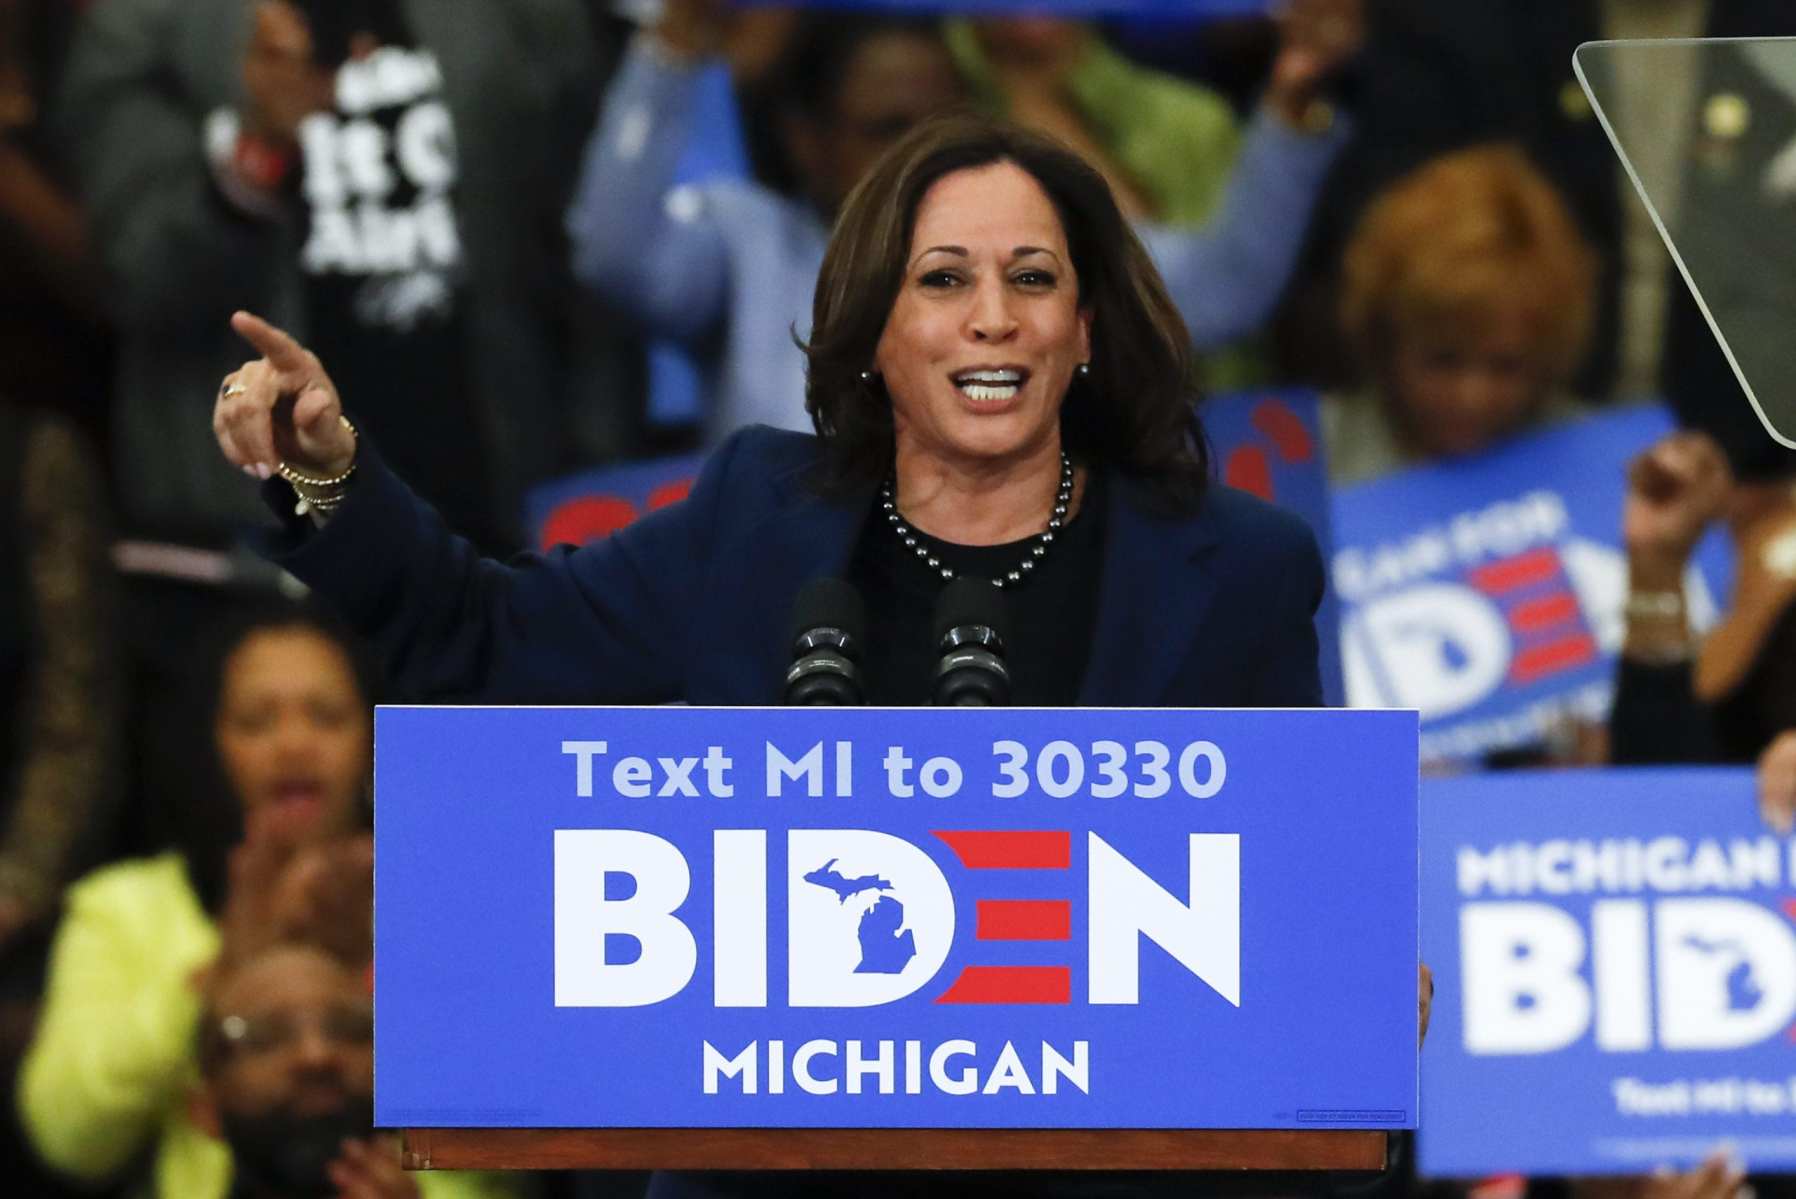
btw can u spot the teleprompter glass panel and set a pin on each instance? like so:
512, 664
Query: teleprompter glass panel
1706, 130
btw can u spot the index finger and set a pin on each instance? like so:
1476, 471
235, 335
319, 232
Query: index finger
282, 352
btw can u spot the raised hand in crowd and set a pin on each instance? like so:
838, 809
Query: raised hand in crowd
281, 408
325, 897
1719, 1177
1316, 39
1675, 490
283, 83
320, 895
370, 1170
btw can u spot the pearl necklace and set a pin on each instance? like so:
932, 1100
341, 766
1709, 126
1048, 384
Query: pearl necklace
888, 503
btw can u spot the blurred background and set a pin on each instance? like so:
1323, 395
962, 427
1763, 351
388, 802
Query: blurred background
555, 249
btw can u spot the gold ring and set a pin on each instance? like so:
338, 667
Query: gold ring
232, 389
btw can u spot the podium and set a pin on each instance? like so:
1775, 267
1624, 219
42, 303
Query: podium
844, 939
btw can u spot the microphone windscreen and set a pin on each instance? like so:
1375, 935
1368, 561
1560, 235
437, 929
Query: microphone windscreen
966, 602
829, 603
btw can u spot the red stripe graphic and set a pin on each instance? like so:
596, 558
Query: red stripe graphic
1024, 920
1023, 849
1011, 984
1275, 419
1539, 660
1534, 616
1523, 570
1247, 469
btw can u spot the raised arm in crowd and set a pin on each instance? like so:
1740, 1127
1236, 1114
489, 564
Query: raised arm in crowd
727, 266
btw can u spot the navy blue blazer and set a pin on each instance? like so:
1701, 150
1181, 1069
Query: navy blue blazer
694, 602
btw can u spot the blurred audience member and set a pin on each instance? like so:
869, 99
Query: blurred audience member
1166, 146
386, 176
55, 348
286, 1087
1729, 698
1467, 298
729, 268
60, 699
290, 739
1439, 77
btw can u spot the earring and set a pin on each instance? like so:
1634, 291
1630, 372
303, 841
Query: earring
866, 376
1084, 370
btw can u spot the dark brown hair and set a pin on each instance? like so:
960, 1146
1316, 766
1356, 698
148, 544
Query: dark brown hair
1135, 412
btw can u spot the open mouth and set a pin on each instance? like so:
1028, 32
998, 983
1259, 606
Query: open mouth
293, 794
991, 385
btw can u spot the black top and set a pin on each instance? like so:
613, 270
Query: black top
1053, 612
1657, 719
384, 273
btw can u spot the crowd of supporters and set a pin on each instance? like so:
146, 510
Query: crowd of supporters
538, 236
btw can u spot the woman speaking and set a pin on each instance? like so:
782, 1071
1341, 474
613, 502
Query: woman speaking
1001, 390
999, 385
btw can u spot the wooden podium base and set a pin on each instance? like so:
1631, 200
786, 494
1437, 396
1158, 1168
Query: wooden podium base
889, 1149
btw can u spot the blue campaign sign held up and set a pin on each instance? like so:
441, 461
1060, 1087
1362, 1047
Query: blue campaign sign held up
1487, 592
678, 917
1616, 964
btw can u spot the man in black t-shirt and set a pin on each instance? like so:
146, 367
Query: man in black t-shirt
386, 178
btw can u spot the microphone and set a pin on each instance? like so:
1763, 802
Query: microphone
828, 625
970, 618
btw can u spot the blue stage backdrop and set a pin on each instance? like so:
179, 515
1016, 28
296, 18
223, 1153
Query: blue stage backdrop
665, 917
1617, 973
1487, 593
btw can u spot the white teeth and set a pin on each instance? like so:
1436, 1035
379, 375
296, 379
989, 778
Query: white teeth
975, 391
998, 377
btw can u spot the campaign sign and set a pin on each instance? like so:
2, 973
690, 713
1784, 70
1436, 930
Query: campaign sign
1269, 443
597, 503
1487, 592
907, 918
1616, 960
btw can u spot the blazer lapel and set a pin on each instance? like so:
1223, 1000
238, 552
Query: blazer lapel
802, 537
1152, 599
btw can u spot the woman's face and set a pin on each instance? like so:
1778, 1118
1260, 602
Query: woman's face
987, 330
1461, 395
293, 733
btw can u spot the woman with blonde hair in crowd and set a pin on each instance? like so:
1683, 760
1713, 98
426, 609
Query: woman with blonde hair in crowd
1467, 297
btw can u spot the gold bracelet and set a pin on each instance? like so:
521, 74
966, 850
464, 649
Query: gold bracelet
323, 496
303, 480
1654, 605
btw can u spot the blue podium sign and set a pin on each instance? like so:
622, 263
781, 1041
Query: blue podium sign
906, 918
1617, 971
